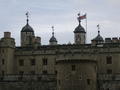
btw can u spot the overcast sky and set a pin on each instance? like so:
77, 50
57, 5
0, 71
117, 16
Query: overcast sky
62, 15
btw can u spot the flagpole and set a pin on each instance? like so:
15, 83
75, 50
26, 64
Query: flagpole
86, 27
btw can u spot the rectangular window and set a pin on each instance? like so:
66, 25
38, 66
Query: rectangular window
59, 82
55, 62
21, 72
45, 61
3, 61
73, 67
45, 72
55, 71
32, 62
21, 62
32, 72
109, 60
88, 81
109, 71
3, 73
2, 51
80, 77
39, 78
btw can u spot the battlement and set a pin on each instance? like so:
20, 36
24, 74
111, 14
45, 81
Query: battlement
112, 40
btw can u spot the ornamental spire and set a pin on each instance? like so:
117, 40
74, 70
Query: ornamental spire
98, 26
79, 20
52, 30
27, 15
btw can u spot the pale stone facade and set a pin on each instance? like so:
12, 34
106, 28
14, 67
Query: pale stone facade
77, 66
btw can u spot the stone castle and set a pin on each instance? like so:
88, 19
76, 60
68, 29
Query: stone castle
78, 66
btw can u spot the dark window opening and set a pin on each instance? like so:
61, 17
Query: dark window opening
55, 62
3, 73
45, 61
39, 78
3, 61
45, 72
21, 72
32, 72
109, 71
2, 51
55, 71
59, 82
80, 77
88, 81
73, 67
21, 62
109, 60
32, 62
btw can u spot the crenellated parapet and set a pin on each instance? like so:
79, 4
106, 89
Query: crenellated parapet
7, 40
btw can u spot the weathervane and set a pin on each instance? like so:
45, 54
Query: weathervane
98, 26
79, 14
52, 30
27, 15
79, 18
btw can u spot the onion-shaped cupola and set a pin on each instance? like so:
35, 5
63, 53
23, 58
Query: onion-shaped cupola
79, 28
79, 33
53, 40
98, 39
27, 27
27, 34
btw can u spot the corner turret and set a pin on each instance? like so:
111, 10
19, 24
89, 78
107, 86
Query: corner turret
27, 34
98, 39
53, 40
7, 46
7, 40
79, 33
